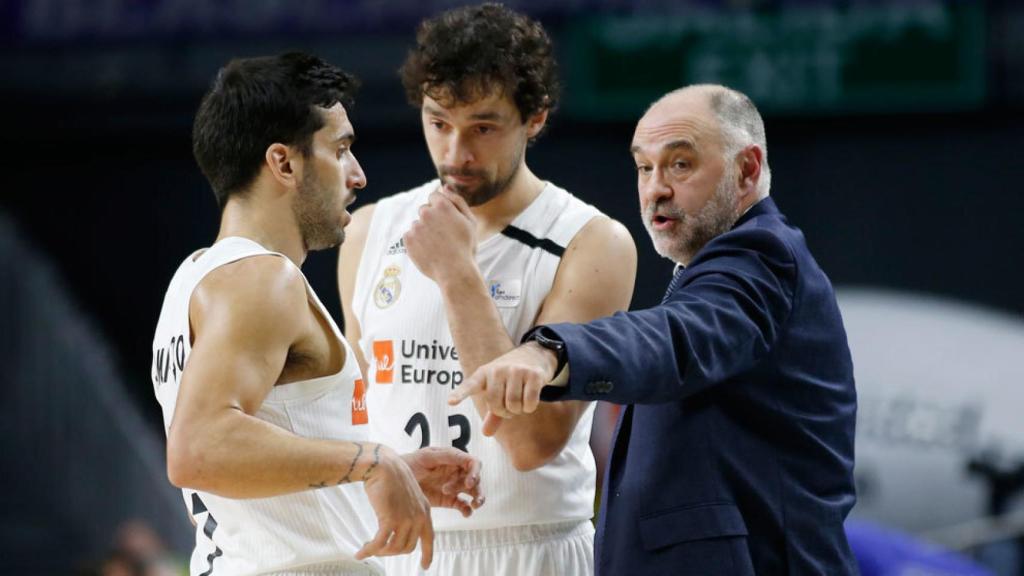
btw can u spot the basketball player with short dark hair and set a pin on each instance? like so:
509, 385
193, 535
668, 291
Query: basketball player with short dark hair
262, 399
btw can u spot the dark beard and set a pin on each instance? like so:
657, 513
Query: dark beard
487, 190
312, 207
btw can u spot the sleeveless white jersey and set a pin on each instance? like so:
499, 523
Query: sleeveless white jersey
414, 364
296, 533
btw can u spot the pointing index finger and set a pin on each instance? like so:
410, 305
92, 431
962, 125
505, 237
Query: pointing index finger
476, 383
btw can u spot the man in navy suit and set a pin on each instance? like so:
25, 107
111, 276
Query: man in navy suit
734, 453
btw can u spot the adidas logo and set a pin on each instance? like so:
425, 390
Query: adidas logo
397, 247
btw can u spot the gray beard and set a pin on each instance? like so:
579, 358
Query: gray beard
717, 217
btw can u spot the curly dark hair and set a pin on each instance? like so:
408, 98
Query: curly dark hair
255, 102
464, 53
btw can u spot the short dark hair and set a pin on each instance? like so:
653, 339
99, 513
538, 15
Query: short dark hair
255, 102
463, 53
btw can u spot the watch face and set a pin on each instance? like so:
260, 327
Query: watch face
550, 343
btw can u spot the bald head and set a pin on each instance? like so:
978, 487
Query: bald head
699, 154
697, 96
737, 123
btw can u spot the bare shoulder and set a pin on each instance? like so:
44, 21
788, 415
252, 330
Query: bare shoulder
603, 239
351, 251
355, 239
357, 229
264, 292
596, 275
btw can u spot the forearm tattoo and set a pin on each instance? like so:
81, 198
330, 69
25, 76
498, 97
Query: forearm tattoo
351, 468
348, 475
376, 460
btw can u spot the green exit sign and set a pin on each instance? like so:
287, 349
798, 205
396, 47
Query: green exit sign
925, 56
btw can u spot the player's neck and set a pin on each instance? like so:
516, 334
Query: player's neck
493, 216
265, 224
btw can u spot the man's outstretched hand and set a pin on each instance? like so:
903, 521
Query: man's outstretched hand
510, 384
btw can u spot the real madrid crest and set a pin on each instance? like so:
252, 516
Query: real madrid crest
389, 288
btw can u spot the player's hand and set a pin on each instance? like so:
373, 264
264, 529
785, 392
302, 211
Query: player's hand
510, 384
449, 478
403, 512
442, 242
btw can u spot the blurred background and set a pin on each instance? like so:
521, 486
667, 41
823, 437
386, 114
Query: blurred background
895, 140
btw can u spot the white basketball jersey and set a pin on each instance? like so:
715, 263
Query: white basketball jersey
292, 533
414, 364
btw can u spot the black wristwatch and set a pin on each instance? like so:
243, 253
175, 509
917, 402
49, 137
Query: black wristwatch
548, 339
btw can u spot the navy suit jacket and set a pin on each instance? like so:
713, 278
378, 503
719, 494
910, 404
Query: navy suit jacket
734, 453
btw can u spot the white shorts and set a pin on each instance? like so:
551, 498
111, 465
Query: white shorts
336, 571
562, 549
370, 567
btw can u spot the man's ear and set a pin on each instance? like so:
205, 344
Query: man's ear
536, 123
285, 164
750, 160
